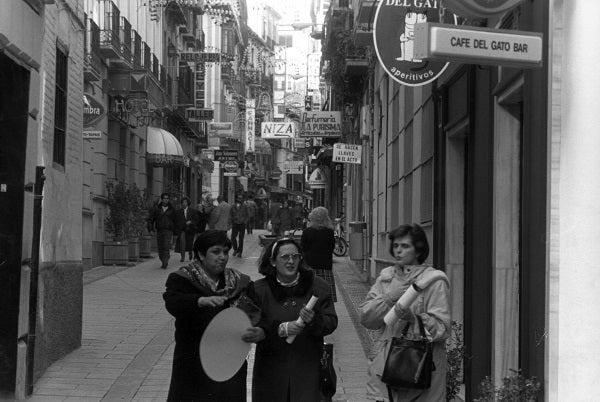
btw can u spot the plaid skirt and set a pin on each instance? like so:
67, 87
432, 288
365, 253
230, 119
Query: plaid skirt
327, 275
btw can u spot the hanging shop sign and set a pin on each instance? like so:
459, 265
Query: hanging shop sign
272, 129
480, 8
199, 115
224, 155
321, 124
208, 154
200, 57
393, 35
220, 129
346, 153
293, 167
250, 143
230, 168
478, 45
92, 111
317, 179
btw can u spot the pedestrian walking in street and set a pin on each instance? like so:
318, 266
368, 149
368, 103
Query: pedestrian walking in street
239, 220
283, 371
275, 217
162, 219
410, 248
317, 243
252, 212
187, 220
204, 208
296, 210
194, 295
220, 217
285, 215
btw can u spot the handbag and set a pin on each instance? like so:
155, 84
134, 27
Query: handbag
409, 363
327, 376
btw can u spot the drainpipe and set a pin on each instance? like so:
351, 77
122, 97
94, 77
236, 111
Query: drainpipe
35, 265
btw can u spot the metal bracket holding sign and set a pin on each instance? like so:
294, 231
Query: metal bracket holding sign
474, 45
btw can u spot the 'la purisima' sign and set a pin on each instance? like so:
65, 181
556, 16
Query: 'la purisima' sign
393, 36
321, 124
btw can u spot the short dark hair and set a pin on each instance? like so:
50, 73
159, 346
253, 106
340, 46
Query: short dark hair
417, 236
264, 262
209, 238
163, 194
186, 199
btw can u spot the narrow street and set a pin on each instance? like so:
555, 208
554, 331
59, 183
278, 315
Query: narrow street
127, 342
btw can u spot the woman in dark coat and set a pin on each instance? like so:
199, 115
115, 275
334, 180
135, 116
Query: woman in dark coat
285, 214
289, 372
317, 243
194, 295
186, 219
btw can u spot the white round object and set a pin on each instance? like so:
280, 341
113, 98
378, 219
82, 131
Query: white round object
222, 350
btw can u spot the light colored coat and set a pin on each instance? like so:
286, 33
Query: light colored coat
433, 305
220, 217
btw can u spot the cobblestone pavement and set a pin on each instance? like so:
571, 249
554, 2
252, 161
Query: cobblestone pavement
127, 340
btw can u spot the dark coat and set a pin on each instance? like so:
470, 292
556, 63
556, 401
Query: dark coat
280, 366
317, 247
239, 214
285, 215
162, 220
189, 229
189, 382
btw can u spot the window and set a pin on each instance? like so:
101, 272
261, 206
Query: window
60, 108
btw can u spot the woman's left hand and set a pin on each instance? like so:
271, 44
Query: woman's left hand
253, 335
307, 315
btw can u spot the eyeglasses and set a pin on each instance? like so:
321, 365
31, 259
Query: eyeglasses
293, 257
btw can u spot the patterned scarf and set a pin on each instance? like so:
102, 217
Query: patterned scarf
196, 274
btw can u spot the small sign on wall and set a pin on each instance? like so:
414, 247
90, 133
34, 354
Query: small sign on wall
347, 153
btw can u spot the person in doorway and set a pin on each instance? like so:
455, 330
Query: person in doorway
194, 295
162, 219
239, 220
275, 217
409, 247
317, 243
283, 371
187, 220
252, 212
220, 217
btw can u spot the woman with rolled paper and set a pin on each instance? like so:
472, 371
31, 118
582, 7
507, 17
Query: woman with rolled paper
286, 366
400, 293
195, 294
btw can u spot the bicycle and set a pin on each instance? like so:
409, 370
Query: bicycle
341, 245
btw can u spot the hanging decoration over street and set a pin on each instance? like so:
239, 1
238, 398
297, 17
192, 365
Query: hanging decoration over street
393, 36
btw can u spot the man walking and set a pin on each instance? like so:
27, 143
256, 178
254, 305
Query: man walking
239, 219
220, 217
275, 217
252, 211
162, 219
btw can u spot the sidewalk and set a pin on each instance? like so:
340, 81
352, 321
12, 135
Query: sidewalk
127, 340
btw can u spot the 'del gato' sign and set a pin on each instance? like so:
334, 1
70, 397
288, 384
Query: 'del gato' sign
394, 35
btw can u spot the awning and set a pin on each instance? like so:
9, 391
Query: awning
162, 148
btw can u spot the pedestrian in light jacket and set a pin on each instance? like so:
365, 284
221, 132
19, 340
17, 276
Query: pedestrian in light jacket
220, 217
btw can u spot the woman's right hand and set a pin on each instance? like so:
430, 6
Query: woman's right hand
293, 328
211, 301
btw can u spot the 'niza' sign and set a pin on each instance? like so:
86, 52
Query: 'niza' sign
321, 124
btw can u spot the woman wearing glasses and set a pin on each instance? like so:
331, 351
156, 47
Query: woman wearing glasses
284, 370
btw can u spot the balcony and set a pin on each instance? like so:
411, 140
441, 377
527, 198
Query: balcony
124, 58
365, 12
155, 67
92, 62
146, 58
136, 46
362, 36
110, 42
